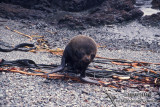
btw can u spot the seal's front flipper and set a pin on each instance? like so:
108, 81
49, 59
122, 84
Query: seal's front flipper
86, 79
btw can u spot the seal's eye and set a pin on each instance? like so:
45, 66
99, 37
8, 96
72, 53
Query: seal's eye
92, 56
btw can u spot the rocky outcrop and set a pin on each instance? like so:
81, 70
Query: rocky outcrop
79, 14
152, 20
15, 11
44, 5
77, 5
109, 12
156, 4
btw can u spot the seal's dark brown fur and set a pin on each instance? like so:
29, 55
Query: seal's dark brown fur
78, 54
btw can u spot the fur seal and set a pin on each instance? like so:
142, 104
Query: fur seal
78, 54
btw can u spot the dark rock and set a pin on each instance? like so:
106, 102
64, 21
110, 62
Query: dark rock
77, 5
157, 35
97, 12
152, 20
136, 13
126, 5
31, 4
156, 4
15, 11
108, 12
72, 22
24, 3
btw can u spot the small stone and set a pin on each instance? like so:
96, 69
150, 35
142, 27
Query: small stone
157, 35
